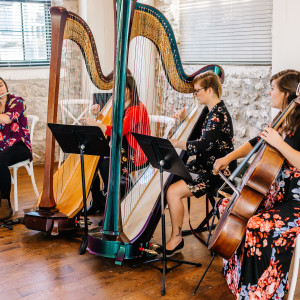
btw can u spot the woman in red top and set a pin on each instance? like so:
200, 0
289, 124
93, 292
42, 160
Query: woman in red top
136, 119
15, 143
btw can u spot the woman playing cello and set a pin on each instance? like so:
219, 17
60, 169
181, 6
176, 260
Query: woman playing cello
259, 269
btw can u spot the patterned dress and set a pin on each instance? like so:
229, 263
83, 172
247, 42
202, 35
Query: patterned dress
17, 131
262, 271
216, 141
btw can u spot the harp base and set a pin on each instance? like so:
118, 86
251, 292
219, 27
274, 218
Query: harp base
50, 222
103, 245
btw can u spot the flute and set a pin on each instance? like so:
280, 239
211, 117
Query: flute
4, 94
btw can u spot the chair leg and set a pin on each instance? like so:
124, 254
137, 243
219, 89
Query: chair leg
16, 203
204, 225
31, 174
295, 269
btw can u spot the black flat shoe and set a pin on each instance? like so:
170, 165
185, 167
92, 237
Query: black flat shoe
177, 249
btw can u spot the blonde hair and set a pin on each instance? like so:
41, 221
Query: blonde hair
209, 79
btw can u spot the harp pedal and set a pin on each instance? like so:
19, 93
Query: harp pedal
54, 231
120, 256
148, 251
154, 246
82, 223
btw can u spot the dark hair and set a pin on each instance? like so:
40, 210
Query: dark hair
287, 82
209, 79
4, 84
131, 85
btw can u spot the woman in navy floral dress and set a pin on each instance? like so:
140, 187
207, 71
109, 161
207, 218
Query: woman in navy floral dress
216, 140
15, 143
259, 269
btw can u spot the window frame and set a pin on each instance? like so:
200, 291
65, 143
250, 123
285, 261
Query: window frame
32, 63
213, 49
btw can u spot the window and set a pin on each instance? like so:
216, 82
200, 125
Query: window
25, 33
226, 31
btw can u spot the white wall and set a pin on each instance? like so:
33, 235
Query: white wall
98, 14
286, 41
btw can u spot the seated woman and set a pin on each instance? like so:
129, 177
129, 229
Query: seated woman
15, 143
216, 140
259, 269
136, 119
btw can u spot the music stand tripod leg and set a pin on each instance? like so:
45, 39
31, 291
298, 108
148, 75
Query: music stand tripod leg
84, 242
165, 259
215, 212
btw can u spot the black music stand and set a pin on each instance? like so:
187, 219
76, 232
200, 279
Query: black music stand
163, 156
88, 140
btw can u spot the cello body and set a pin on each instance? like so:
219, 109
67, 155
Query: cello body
254, 186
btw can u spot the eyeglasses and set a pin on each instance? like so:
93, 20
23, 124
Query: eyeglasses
197, 91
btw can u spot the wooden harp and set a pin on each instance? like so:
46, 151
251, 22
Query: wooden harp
60, 211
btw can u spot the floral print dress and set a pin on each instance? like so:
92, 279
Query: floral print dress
261, 272
17, 131
216, 141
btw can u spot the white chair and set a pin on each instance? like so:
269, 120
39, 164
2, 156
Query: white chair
295, 269
27, 164
170, 122
68, 109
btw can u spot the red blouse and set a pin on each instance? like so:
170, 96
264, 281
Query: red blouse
136, 120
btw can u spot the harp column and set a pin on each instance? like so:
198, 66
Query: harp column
113, 213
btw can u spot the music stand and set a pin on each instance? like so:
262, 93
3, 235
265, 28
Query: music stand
162, 155
77, 139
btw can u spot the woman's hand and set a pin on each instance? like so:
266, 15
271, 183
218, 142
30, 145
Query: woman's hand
95, 110
89, 121
221, 164
178, 144
272, 137
174, 142
180, 114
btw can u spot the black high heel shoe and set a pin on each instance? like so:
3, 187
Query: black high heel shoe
174, 251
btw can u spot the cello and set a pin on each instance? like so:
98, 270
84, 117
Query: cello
249, 194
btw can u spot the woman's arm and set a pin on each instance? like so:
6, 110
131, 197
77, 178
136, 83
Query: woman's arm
222, 163
5, 119
273, 138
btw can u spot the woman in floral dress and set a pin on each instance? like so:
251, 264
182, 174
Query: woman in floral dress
259, 269
216, 140
15, 143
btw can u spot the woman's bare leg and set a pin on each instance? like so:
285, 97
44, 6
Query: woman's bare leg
175, 194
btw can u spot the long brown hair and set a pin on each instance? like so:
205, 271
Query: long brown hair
209, 79
287, 82
131, 85
5, 85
